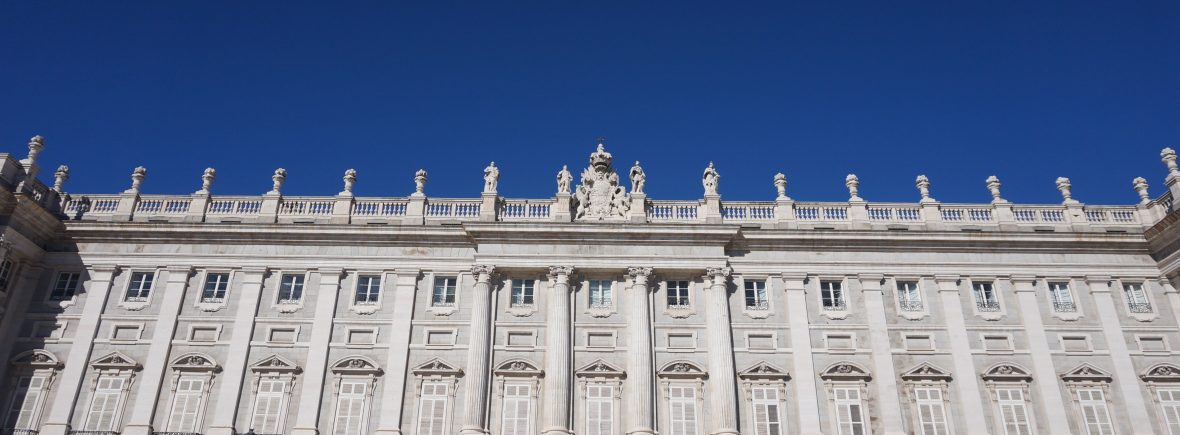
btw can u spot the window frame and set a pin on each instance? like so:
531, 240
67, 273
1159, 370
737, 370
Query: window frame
212, 305
194, 366
282, 372
65, 300
29, 365
354, 370
140, 301
599, 374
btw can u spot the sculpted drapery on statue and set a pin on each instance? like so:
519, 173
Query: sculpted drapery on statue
491, 177
638, 178
564, 178
710, 179
599, 196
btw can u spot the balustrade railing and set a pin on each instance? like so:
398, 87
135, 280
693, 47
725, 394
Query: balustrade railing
1039, 214
461, 209
524, 210
150, 206
1064, 307
966, 213
296, 206
391, 207
739, 212
235, 206
18, 432
821, 212
894, 213
673, 211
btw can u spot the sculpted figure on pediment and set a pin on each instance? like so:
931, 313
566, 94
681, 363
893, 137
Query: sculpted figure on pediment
599, 196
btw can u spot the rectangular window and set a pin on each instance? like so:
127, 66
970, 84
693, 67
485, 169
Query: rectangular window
25, 402
291, 289
767, 418
66, 286
1136, 298
931, 412
1170, 408
108, 393
756, 295
1013, 412
522, 292
850, 419
600, 410
1095, 416
677, 294
444, 291
140, 287
6, 267
600, 294
832, 295
269, 406
909, 298
682, 409
368, 289
350, 407
432, 409
518, 404
216, 286
1061, 297
985, 297
186, 404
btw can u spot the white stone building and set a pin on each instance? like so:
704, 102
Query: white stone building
597, 312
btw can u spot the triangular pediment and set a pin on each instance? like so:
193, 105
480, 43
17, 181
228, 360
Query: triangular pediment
682, 369
845, 371
764, 370
600, 369
357, 365
1163, 372
1007, 372
437, 367
274, 363
926, 372
36, 359
1086, 373
115, 361
519, 367
194, 362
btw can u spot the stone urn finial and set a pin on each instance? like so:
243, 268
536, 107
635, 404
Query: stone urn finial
923, 185
1168, 156
36, 144
853, 184
207, 178
993, 186
59, 177
1140, 185
137, 177
780, 185
278, 178
349, 181
1065, 187
420, 183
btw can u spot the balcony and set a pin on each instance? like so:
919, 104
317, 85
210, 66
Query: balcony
93, 432
987, 306
757, 305
835, 306
1064, 307
1139, 307
18, 431
910, 305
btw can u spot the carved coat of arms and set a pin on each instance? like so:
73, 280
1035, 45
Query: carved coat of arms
599, 195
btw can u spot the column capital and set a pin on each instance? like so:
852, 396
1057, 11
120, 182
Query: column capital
870, 281
947, 283
330, 271
183, 268
1099, 283
483, 272
556, 271
639, 271
718, 272
103, 268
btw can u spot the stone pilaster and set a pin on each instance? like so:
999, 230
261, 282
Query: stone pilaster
965, 372
232, 379
98, 288
14, 315
558, 358
1172, 294
884, 371
722, 374
639, 391
1126, 380
475, 404
805, 393
156, 364
393, 397
311, 397
1044, 375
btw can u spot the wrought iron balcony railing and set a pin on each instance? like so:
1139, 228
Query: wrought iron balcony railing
1139, 307
835, 306
910, 305
1064, 307
987, 306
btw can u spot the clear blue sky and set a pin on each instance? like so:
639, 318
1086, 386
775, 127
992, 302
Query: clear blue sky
887, 90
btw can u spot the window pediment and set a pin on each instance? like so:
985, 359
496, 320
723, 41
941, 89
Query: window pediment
37, 359
1086, 373
600, 369
845, 371
926, 372
682, 370
195, 362
356, 365
275, 363
1163, 372
437, 367
764, 371
519, 368
1006, 372
115, 361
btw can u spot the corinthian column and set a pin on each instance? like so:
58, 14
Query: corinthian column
478, 352
722, 380
557, 354
638, 399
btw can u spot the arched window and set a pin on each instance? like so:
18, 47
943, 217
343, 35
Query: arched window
356, 378
192, 378
1008, 387
1163, 383
30, 383
847, 386
274, 379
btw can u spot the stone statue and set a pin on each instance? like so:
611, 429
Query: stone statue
710, 179
638, 178
599, 196
564, 178
491, 177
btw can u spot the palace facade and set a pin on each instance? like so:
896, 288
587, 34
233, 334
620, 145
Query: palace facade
599, 311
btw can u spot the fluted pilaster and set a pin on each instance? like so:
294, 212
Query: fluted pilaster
478, 352
557, 354
639, 388
722, 375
